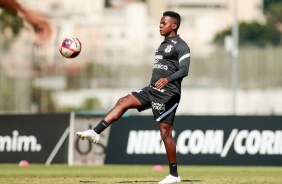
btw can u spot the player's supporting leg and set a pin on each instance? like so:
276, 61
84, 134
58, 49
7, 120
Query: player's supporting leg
170, 146
122, 105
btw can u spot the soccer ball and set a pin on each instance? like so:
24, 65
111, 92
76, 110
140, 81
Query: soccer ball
70, 47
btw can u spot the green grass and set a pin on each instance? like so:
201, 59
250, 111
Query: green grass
137, 174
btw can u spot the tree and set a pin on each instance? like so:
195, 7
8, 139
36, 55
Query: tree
10, 19
268, 3
252, 33
256, 33
274, 15
10, 27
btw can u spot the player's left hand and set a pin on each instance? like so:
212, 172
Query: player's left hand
161, 83
40, 24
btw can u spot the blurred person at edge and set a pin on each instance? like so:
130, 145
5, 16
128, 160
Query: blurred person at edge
39, 22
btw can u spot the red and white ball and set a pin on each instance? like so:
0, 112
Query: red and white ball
70, 47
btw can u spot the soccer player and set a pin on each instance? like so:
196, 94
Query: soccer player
162, 95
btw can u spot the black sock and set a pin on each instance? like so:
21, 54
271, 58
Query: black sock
173, 169
101, 127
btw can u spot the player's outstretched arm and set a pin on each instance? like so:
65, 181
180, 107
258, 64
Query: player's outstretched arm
39, 23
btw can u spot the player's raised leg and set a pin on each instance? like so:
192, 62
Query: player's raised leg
122, 105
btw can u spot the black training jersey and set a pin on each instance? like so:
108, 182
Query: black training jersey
172, 60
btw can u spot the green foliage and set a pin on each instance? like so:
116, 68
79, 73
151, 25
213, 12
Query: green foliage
268, 3
43, 99
136, 174
10, 19
274, 13
254, 33
258, 34
10, 27
90, 104
8, 101
219, 37
82, 78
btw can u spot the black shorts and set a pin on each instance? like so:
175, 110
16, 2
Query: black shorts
163, 104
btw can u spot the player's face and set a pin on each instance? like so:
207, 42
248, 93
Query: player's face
167, 26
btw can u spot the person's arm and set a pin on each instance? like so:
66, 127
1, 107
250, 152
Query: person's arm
11, 4
184, 63
39, 23
182, 72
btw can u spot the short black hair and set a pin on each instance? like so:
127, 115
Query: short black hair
173, 15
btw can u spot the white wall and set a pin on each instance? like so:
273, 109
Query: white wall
193, 102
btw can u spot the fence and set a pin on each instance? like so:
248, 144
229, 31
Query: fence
259, 68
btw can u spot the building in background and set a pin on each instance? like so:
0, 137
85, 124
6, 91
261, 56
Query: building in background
122, 33
107, 31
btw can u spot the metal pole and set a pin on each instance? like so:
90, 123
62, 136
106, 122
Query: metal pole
235, 53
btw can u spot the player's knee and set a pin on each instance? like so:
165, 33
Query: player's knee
122, 102
164, 134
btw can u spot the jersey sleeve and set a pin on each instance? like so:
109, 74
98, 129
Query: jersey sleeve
184, 63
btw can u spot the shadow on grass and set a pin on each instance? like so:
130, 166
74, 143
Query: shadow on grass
190, 181
148, 181
182, 181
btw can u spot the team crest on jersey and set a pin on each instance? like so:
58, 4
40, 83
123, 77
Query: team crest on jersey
168, 48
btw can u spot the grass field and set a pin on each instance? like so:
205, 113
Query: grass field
127, 174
